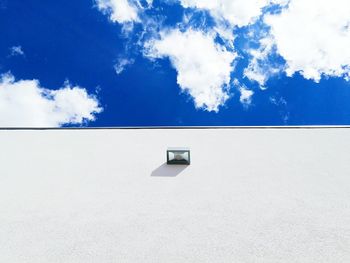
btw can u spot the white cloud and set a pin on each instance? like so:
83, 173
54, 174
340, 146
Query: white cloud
120, 11
24, 103
122, 63
228, 14
149, 3
236, 12
313, 37
282, 104
203, 66
16, 51
260, 67
246, 96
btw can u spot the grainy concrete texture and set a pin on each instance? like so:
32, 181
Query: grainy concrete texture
256, 195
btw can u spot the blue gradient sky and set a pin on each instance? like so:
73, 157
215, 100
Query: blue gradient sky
73, 40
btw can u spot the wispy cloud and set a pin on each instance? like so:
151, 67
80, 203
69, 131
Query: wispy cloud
261, 66
246, 94
236, 12
282, 106
16, 51
122, 64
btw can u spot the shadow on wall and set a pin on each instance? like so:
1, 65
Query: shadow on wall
168, 170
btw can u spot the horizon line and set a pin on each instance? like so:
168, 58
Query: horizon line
182, 127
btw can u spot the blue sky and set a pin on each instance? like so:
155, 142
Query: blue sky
174, 63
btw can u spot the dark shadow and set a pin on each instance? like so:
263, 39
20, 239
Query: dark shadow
168, 170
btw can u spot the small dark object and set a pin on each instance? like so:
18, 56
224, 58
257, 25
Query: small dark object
179, 156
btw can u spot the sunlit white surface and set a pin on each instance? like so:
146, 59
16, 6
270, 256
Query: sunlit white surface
108, 196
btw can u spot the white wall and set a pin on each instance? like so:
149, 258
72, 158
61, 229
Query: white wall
106, 196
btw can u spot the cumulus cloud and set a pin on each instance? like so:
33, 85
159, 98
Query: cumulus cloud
203, 66
310, 37
313, 37
24, 103
120, 11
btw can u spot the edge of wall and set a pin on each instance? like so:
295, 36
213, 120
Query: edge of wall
179, 128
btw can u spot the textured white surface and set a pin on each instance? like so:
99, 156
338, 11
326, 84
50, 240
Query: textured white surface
105, 196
